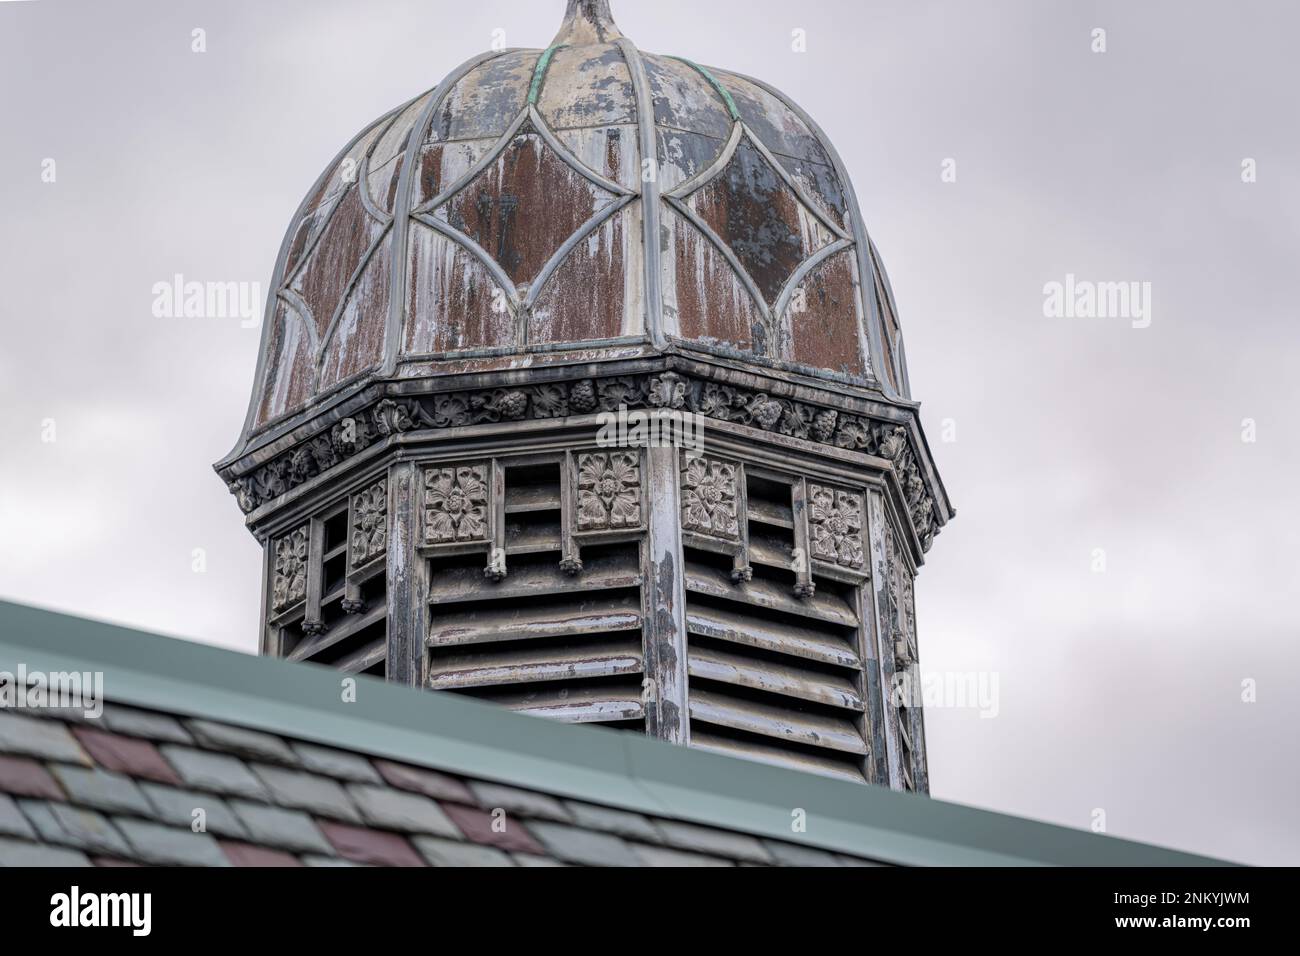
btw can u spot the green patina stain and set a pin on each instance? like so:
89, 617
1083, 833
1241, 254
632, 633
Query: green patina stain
539, 74
731, 104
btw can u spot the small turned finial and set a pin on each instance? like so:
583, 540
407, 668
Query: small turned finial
587, 21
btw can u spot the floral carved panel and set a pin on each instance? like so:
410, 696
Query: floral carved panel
289, 585
835, 526
369, 521
609, 491
456, 504
709, 497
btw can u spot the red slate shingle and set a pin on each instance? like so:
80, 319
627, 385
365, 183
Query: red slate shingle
246, 854
361, 845
25, 777
126, 755
477, 826
428, 782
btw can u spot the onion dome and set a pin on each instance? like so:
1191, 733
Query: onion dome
584, 202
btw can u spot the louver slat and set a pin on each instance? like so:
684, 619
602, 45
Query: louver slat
777, 722
337, 634
366, 658
739, 629
592, 616
768, 594
709, 664
774, 755
576, 704
466, 583
546, 664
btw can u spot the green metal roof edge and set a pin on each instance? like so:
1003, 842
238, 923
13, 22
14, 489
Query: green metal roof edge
593, 764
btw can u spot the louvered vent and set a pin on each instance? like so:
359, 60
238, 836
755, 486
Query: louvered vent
337, 614
774, 676
541, 641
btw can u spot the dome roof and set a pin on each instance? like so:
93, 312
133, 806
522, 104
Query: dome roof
587, 197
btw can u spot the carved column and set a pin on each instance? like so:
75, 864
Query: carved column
408, 588
665, 601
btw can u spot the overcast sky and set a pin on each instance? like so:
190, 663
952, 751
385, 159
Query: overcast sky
1120, 690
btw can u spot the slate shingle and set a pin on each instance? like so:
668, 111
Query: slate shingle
176, 808
428, 782
525, 803
478, 826
362, 845
306, 791
248, 854
12, 821
440, 852
397, 810
39, 737
663, 856
335, 763
219, 773
794, 854
170, 846
145, 723
608, 820
23, 853
25, 777
101, 790
574, 845
74, 826
238, 740
128, 755
283, 829
707, 840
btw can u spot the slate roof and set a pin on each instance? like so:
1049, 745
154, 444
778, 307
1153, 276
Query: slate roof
288, 773
124, 789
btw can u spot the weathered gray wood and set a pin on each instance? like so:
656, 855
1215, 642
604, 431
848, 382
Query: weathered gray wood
778, 722
596, 613
602, 573
773, 754
308, 649
488, 668
741, 629
576, 703
407, 582
881, 647
763, 593
311, 621
711, 664
665, 601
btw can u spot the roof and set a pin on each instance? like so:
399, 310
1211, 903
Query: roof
547, 206
288, 772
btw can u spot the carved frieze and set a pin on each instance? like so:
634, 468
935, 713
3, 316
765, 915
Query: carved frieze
609, 490
835, 525
369, 523
709, 497
289, 584
456, 504
552, 400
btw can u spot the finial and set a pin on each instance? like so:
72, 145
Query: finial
587, 21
